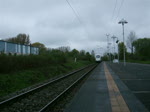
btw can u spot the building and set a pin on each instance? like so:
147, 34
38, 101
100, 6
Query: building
19, 49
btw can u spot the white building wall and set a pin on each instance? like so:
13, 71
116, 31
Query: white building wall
5, 47
28, 49
23, 49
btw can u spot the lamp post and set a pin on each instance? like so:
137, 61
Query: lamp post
123, 22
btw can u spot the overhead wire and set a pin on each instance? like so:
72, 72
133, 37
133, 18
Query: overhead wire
119, 9
113, 15
77, 16
114, 10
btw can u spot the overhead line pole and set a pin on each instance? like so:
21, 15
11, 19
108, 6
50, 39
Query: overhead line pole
113, 37
118, 48
108, 46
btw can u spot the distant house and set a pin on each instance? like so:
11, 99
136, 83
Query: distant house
13, 48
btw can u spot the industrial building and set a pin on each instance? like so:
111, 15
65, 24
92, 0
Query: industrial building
19, 49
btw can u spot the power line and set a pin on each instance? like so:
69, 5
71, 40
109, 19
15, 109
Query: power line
76, 14
78, 17
119, 9
114, 9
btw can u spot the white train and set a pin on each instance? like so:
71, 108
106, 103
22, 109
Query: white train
98, 58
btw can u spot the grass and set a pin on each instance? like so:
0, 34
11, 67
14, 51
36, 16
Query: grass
19, 80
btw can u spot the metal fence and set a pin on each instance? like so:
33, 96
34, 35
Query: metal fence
13, 48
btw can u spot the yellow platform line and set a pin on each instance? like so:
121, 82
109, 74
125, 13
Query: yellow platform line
117, 102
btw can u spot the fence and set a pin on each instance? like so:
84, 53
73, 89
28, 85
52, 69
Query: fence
13, 48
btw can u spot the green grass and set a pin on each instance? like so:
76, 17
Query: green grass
16, 81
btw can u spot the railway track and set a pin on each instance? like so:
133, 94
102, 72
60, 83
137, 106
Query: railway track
43, 97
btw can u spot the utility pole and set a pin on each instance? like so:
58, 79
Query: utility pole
108, 46
123, 22
118, 48
113, 37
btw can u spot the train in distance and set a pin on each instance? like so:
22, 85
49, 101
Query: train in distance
98, 58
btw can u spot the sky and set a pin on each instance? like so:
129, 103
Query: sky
81, 25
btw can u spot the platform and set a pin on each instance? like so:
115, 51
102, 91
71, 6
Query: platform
104, 92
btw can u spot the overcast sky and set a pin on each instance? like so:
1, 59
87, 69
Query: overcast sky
54, 23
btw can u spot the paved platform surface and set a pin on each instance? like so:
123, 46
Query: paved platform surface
104, 92
136, 77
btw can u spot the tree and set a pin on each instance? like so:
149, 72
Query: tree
93, 53
121, 47
131, 38
41, 47
89, 57
82, 53
64, 48
142, 47
38, 44
74, 53
20, 39
105, 57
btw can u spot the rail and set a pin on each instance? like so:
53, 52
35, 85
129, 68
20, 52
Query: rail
22, 95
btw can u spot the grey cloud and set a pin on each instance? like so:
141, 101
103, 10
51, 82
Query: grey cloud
53, 22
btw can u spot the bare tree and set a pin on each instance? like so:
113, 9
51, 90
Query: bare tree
20, 39
93, 53
131, 38
64, 48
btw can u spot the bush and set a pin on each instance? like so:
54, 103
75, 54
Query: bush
11, 63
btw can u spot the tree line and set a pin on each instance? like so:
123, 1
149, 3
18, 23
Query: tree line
47, 56
139, 48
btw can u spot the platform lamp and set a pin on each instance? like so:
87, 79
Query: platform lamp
123, 22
